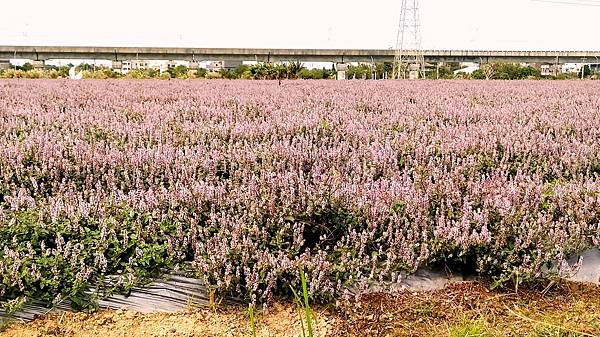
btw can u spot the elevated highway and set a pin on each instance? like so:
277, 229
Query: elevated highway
43, 53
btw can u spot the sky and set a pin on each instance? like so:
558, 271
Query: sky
445, 24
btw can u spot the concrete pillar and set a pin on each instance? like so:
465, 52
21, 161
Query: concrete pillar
39, 64
341, 70
413, 71
4, 64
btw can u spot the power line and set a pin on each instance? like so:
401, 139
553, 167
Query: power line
570, 2
576, 2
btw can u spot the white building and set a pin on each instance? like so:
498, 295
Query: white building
550, 69
139, 64
215, 66
545, 70
571, 67
125, 67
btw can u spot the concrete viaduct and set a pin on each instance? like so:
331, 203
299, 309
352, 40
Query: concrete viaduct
306, 55
39, 54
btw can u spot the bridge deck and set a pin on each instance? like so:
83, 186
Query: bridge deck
267, 54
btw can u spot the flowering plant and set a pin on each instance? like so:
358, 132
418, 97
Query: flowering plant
249, 181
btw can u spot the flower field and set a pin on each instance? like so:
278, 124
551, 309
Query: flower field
244, 182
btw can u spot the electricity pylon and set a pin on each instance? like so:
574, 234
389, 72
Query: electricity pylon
408, 56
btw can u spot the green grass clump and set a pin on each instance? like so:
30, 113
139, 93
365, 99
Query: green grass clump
469, 328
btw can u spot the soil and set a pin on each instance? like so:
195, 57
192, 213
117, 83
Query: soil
462, 309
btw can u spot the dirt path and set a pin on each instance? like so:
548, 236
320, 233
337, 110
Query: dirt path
466, 309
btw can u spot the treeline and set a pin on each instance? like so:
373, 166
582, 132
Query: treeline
260, 71
293, 70
274, 71
489, 71
512, 71
506, 71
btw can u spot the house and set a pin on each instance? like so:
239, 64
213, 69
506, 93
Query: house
550, 69
216, 66
139, 64
125, 67
570, 68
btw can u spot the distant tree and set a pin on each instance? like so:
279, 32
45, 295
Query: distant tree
152, 73
478, 75
315, 74
382, 68
165, 75
505, 71
63, 71
361, 71
270, 71
529, 72
488, 71
25, 67
260, 71
294, 69
241, 71
587, 71
200, 73
110, 73
304, 74
379, 70
444, 72
179, 71
227, 73
84, 67
280, 71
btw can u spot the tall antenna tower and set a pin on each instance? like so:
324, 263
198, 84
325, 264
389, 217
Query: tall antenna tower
408, 57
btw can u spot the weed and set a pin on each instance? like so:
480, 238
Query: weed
551, 331
4, 324
548, 329
426, 309
303, 304
468, 328
252, 321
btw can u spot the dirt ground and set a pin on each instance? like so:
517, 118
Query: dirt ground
463, 309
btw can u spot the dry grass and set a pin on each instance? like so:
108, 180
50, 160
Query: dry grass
471, 309
461, 310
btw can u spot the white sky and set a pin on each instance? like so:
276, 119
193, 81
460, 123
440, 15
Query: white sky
446, 24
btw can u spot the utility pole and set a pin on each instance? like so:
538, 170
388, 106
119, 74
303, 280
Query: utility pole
582, 67
408, 55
